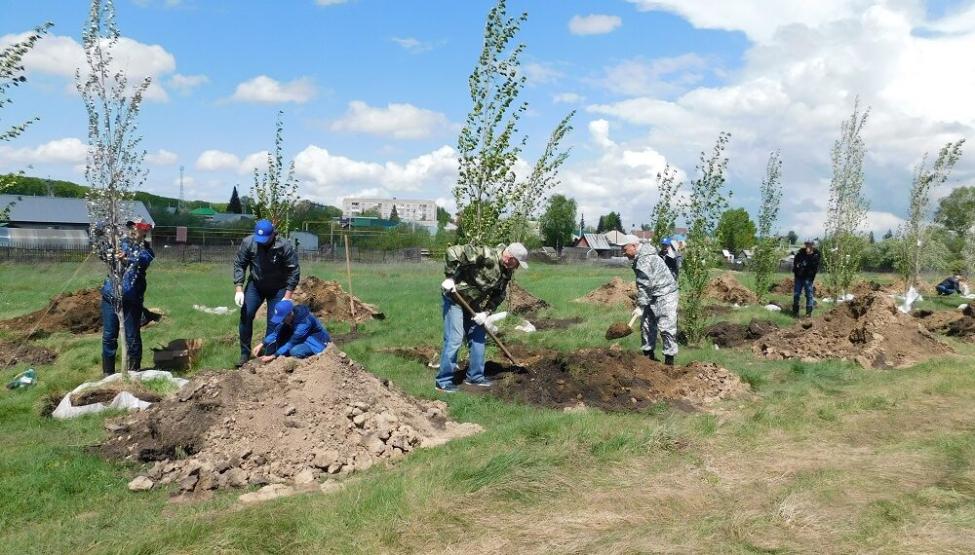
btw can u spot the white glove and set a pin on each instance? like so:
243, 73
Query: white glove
239, 298
480, 318
448, 286
636, 312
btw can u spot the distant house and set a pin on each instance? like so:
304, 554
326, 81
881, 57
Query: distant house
614, 238
645, 236
31, 212
204, 211
593, 241
219, 218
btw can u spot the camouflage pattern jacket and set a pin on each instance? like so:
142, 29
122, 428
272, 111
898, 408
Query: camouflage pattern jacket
480, 277
653, 277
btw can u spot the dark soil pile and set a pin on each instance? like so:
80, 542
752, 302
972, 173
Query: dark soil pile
868, 330
728, 289
22, 353
107, 393
520, 301
287, 421
613, 380
78, 312
730, 334
949, 323
330, 302
787, 287
615, 292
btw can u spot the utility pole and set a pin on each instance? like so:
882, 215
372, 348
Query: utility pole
179, 205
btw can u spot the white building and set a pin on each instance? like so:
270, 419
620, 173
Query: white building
418, 211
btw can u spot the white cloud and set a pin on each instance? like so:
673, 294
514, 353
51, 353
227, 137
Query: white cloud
399, 121
330, 2
62, 56
594, 24
539, 73
254, 161
69, 150
330, 176
162, 157
412, 45
217, 160
264, 89
655, 77
568, 98
186, 83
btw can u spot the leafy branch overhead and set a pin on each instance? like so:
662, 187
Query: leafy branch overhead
494, 202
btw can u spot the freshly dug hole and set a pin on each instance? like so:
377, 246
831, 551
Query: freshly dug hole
16, 353
730, 334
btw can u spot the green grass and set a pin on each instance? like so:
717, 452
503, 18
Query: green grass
819, 457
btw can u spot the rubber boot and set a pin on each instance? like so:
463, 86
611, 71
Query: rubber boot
133, 365
108, 366
809, 310
669, 360
652, 355
795, 309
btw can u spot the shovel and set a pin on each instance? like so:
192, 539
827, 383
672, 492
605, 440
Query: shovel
618, 330
471, 313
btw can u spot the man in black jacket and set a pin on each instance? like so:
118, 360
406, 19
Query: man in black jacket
805, 265
274, 274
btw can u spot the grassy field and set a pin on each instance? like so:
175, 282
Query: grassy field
820, 458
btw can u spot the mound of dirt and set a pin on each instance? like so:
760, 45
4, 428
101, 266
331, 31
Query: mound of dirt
730, 334
949, 323
330, 302
868, 330
422, 354
787, 287
615, 292
520, 301
78, 312
23, 353
727, 289
614, 380
287, 421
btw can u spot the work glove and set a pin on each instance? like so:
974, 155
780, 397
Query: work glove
239, 298
480, 318
448, 286
636, 312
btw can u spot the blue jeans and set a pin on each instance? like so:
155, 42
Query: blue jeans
804, 284
132, 318
254, 296
457, 326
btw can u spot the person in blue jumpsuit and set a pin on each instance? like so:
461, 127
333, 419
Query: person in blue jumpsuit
274, 275
136, 255
295, 333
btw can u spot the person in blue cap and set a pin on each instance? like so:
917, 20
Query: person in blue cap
672, 257
274, 275
295, 333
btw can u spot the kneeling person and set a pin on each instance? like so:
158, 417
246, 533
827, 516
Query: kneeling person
656, 298
295, 333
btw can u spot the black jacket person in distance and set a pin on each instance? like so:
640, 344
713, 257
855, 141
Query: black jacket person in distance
805, 266
274, 274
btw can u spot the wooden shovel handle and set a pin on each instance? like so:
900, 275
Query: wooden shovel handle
470, 312
633, 320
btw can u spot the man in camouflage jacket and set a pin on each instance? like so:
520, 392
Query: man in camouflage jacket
480, 275
656, 298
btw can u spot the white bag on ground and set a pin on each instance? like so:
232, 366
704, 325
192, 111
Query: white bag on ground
773, 308
910, 298
124, 400
525, 326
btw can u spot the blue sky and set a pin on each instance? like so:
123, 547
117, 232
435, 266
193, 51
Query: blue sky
374, 90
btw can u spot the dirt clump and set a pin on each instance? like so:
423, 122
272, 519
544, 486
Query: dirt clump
614, 380
330, 302
520, 301
14, 353
732, 334
544, 324
868, 330
617, 330
727, 289
77, 312
614, 292
289, 421
949, 323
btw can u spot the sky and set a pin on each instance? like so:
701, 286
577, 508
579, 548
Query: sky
374, 93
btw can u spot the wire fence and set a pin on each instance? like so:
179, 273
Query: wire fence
214, 254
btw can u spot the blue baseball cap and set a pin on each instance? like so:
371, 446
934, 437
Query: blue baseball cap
263, 230
666, 241
281, 310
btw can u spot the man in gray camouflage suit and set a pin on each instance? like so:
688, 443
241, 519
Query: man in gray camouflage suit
656, 298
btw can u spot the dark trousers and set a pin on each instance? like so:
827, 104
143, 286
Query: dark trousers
254, 297
131, 318
803, 285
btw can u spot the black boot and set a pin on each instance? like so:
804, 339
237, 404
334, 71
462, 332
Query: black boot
108, 366
809, 311
795, 309
133, 364
652, 355
244, 357
669, 360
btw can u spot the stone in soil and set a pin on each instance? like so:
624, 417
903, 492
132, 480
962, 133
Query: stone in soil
141, 483
868, 330
280, 423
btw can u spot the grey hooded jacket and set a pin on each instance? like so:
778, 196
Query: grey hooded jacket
653, 277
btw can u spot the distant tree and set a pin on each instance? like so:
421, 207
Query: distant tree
558, 222
275, 190
957, 210
370, 213
489, 145
768, 247
234, 207
610, 222
870, 238
582, 224
793, 237
736, 230
443, 217
888, 235
394, 215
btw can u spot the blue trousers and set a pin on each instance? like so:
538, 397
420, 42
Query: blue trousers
132, 318
254, 297
803, 284
457, 326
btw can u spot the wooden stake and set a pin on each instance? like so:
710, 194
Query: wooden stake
348, 271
